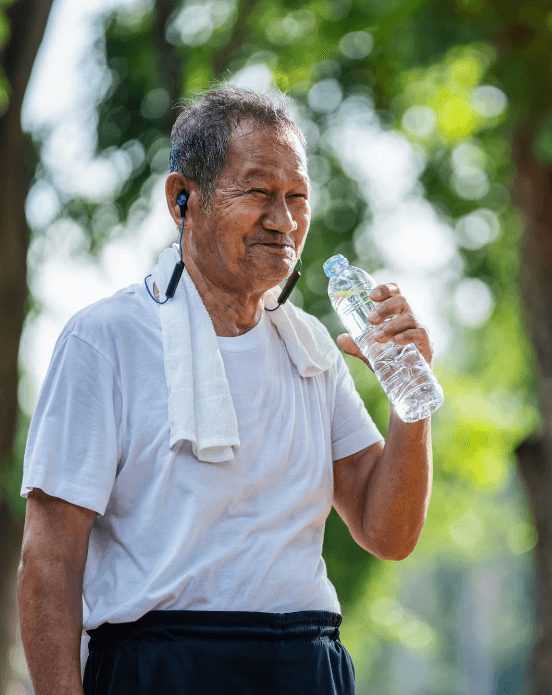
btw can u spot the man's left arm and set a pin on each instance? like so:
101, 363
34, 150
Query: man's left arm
382, 492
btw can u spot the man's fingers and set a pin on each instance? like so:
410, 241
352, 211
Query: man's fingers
381, 292
348, 345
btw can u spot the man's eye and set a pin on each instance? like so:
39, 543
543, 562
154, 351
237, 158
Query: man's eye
259, 190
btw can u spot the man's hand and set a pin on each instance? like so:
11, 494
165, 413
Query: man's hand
395, 321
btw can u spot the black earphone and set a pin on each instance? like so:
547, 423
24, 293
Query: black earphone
292, 280
182, 202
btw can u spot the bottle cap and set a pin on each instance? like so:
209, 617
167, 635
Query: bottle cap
335, 265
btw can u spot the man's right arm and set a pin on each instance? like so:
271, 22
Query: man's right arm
55, 546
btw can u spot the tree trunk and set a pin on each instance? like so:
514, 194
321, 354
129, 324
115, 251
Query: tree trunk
533, 188
10, 530
27, 21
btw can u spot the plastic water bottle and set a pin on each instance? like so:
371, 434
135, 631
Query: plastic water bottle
402, 371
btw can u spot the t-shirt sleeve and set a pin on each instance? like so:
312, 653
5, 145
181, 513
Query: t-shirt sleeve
72, 447
352, 427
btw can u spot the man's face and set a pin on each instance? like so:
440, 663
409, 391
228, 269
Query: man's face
260, 213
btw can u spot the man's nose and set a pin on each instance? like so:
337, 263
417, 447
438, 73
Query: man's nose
278, 217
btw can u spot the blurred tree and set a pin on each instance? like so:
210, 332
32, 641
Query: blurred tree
22, 24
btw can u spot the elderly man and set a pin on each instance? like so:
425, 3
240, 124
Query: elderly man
186, 450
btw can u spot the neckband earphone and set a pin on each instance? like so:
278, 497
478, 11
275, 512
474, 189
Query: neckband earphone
287, 289
182, 202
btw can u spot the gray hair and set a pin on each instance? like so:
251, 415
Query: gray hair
203, 128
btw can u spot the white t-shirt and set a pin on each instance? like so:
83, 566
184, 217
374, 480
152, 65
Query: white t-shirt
173, 532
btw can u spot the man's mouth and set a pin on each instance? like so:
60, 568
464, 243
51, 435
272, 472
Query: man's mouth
283, 249
277, 244
281, 246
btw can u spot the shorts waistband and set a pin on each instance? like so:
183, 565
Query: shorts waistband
174, 624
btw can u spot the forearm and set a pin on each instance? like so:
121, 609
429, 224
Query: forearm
50, 607
398, 489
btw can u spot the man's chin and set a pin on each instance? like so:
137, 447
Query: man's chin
274, 268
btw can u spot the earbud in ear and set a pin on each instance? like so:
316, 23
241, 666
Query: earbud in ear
182, 202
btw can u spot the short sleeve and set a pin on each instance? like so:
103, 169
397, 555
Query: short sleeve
72, 447
352, 427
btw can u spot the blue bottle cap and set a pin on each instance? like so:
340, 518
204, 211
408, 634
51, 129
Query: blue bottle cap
335, 265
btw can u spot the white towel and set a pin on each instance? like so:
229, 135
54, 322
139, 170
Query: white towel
200, 405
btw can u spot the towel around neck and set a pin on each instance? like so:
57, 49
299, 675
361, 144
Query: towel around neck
200, 404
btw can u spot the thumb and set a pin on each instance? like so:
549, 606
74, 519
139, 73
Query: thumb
348, 345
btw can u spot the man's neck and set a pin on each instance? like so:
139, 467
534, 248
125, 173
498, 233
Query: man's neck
232, 313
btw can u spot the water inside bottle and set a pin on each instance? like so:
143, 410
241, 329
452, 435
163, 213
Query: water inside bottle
402, 371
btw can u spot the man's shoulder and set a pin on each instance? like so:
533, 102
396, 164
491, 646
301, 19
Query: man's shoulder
109, 319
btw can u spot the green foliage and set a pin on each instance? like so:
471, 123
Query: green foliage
4, 35
4, 28
543, 142
10, 474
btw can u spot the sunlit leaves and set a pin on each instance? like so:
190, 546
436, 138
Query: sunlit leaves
543, 141
195, 23
291, 27
477, 229
4, 85
356, 45
470, 442
456, 105
4, 94
4, 28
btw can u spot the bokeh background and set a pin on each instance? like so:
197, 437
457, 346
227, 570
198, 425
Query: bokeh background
429, 130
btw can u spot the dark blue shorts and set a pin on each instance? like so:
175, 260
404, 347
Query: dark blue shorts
212, 652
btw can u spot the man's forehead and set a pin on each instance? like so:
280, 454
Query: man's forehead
254, 146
